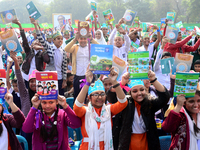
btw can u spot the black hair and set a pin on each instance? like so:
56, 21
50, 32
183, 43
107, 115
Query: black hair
53, 132
40, 86
166, 54
197, 62
39, 81
45, 88
49, 83
69, 75
14, 81
1, 119
196, 129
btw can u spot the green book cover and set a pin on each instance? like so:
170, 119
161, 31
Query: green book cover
186, 83
138, 65
108, 15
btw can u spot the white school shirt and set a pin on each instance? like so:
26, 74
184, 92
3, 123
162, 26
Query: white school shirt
137, 41
121, 52
150, 49
82, 60
138, 125
4, 138
58, 59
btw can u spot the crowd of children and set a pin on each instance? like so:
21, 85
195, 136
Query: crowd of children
113, 112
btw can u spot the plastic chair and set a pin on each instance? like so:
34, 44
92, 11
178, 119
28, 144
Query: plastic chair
22, 140
165, 142
77, 131
70, 101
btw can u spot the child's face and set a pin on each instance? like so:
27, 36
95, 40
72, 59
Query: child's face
2, 85
107, 84
58, 41
105, 30
19, 59
146, 41
118, 42
49, 106
32, 84
15, 87
66, 36
49, 40
179, 38
193, 104
98, 35
197, 68
98, 101
82, 41
54, 87
45, 90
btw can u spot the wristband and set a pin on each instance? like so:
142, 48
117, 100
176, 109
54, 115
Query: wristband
153, 80
116, 85
87, 83
158, 30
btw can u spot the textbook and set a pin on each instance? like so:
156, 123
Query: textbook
101, 57
172, 34
83, 28
89, 17
186, 83
3, 88
8, 16
119, 65
133, 47
166, 65
10, 41
138, 65
182, 63
33, 11
93, 6
171, 17
47, 85
136, 20
162, 25
179, 24
129, 17
108, 15
144, 27
45, 25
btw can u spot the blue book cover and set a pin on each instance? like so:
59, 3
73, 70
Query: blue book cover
172, 34
33, 11
10, 41
94, 6
3, 102
101, 57
47, 85
8, 16
166, 65
129, 17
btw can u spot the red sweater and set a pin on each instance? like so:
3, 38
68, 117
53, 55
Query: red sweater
175, 48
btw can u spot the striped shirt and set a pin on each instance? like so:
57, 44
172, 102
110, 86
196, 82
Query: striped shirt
51, 144
51, 52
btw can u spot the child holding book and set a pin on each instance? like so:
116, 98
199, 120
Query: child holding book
150, 47
50, 124
58, 57
80, 59
117, 41
8, 138
96, 118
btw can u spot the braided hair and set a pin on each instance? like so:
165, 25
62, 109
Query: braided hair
1, 119
53, 131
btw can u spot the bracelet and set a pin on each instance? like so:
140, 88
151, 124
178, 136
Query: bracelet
158, 30
153, 80
116, 85
87, 83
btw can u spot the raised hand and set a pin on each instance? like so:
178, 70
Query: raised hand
33, 21
151, 75
125, 78
89, 74
62, 101
113, 75
181, 100
35, 101
13, 55
9, 98
16, 21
